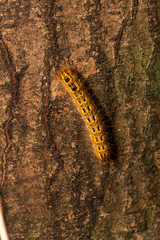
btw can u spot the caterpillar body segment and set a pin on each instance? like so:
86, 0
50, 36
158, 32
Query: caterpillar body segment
88, 110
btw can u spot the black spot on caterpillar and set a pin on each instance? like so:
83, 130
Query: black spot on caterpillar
88, 111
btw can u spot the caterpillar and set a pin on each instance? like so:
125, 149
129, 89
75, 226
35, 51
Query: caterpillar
88, 111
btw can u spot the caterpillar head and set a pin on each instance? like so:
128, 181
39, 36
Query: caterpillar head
65, 76
69, 79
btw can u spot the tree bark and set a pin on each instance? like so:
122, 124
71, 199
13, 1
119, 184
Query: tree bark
53, 185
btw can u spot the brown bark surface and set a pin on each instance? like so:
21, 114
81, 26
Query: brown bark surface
55, 187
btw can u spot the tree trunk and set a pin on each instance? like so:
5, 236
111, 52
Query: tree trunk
53, 185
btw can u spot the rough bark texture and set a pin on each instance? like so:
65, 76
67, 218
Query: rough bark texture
55, 187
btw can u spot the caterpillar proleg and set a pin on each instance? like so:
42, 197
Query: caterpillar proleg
88, 111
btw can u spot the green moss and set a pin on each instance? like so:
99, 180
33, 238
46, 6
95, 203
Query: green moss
154, 75
35, 234
4, 80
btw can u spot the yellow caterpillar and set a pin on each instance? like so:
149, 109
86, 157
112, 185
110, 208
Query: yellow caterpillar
88, 111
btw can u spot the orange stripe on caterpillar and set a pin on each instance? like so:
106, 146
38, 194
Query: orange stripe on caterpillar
88, 110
